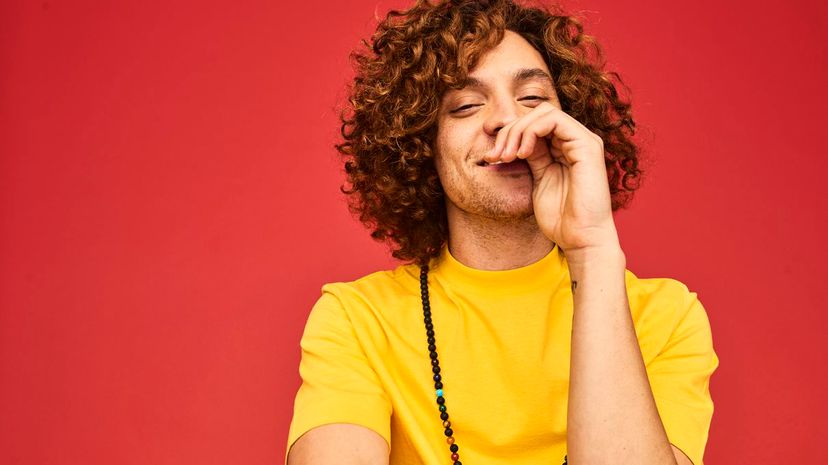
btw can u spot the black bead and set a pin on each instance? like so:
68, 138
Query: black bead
432, 348
457, 463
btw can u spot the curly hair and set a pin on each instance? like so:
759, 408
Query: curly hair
417, 54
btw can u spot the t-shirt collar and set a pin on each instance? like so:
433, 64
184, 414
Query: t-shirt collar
542, 274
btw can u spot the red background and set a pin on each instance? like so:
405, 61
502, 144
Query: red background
169, 209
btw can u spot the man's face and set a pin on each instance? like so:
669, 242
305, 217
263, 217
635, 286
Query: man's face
507, 83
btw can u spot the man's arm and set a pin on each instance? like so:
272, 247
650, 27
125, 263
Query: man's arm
681, 457
348, 444
340, 444
612, 415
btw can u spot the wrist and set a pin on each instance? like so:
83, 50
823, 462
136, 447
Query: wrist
602, 258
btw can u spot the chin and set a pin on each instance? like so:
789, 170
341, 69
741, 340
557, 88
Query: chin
512, 209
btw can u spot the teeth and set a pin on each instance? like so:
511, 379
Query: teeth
496, 163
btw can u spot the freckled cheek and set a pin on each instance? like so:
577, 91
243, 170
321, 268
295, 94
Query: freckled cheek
452, 148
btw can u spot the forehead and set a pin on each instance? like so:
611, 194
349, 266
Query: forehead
518, 76
514, 60
513, 51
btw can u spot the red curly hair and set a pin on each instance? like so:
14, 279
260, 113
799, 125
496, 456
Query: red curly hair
417, 54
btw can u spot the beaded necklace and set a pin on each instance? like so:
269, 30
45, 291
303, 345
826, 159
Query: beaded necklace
435, 368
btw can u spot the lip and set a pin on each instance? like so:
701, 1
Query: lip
517, 166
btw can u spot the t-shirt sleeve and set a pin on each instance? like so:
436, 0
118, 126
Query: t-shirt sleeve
680, 378
338, 383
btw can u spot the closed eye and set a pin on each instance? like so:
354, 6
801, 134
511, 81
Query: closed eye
534, 97
466, 107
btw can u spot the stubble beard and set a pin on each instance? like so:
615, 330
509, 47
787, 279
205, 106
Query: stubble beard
487, 201
477, 195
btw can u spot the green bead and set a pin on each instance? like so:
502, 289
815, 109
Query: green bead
442, 408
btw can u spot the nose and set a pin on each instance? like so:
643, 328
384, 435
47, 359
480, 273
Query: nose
501, 112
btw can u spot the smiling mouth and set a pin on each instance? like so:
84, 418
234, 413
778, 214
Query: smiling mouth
518, 166
485, 163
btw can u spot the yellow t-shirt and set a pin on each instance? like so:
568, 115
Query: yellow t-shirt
503, 342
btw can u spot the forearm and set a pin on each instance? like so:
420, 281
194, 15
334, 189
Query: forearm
612, 416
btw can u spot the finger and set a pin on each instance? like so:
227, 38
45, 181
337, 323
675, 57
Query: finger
556, 149
567, 128
558, 156
516, 133
557, 143
500, 141
528, 139
564, 130
508, 138
527, 144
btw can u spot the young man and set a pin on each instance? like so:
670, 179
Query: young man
488, 149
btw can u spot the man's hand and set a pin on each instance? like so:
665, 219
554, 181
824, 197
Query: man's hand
571, 197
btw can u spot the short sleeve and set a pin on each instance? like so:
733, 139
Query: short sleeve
338, 383
680, 379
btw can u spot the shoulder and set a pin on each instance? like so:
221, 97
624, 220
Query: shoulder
380, 285
369, 302
665, 310
667, 296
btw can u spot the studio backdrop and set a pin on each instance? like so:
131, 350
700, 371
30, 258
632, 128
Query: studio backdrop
170, 208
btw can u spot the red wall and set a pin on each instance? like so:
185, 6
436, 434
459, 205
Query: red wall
169, 209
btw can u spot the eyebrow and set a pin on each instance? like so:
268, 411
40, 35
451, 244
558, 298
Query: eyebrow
521, 75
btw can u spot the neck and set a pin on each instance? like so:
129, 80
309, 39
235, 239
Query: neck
495, 244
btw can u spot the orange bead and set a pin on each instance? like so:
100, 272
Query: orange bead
450, 440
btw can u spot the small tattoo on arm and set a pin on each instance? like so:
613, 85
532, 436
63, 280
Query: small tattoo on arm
574, 285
